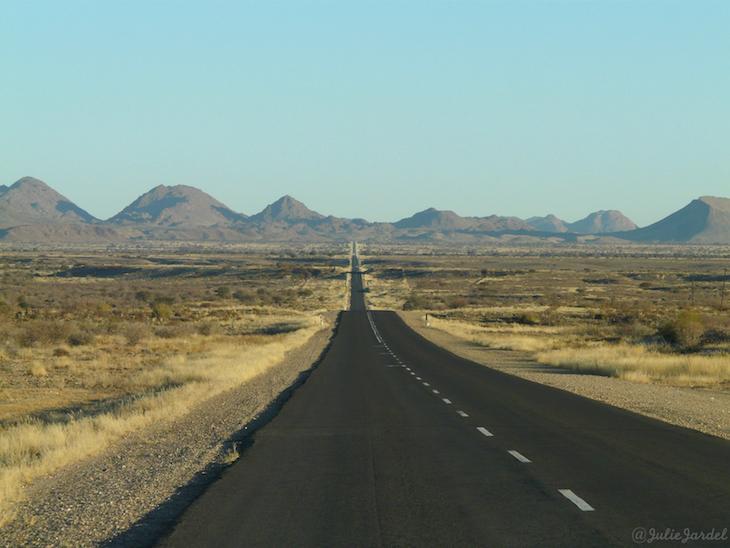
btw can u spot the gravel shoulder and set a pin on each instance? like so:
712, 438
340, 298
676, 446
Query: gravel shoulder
704, 410
130, 493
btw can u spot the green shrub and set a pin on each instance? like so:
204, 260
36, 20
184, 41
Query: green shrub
528, 318
161, 310
685, 331
208, 328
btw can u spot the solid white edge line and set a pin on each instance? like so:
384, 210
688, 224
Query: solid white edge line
519, 456
485, 431
575, 499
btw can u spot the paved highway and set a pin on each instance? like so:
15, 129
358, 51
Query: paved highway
394, 441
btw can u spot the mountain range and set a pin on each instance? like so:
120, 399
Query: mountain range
31, 211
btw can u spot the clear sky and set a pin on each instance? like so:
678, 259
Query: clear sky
372, 109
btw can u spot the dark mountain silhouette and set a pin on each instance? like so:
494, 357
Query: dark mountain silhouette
602, 222
3, 188
704, 220
179, 205
286, 209
30, 201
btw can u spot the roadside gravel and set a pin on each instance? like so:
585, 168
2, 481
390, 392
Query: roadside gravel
700, 409
132, 492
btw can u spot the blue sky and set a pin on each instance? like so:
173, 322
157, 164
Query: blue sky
372, 109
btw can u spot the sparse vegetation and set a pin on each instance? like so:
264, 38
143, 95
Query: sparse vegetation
95, 346
643, 314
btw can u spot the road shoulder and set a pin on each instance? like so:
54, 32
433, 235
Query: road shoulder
99, 499
704, 410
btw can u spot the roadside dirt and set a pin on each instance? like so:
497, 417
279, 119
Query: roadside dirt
132, 492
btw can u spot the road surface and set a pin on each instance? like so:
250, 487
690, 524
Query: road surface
394, 441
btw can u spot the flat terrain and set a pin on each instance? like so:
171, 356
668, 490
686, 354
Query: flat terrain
651, 315
393, 440
704, 409
97, 344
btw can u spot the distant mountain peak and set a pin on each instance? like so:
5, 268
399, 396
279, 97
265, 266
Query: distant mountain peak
704, 220
31, 201
602, 222
286, 209
28, 181
716, 202
433, 218
548, 223
177, 205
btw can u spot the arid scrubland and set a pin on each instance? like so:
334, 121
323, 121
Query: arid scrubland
94, 345
646, 314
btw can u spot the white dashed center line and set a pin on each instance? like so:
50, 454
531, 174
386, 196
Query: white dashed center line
447, 401
519, 456
462, 414
436, 392
426, 384
485, 431
575, 499
418, 378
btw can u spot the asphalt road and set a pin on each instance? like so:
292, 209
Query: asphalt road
394, 441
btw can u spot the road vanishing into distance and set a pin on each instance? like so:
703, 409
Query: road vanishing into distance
393, 441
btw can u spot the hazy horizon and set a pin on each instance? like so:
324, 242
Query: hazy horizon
374, 111
272, 200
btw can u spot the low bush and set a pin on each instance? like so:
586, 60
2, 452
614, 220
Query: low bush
208, 328
134, 333
528, 318
40, 332
685, 331
80, 338
161, 310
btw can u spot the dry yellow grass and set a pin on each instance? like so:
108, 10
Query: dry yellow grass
642, 364
508, 337
37, 370
33, 449
563, 347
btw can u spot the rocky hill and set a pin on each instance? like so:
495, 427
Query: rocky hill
177, 206
31, 201
704, 220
